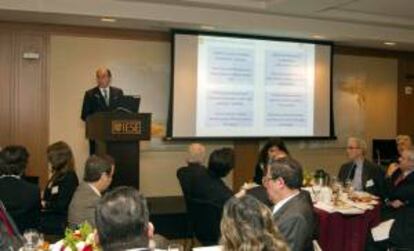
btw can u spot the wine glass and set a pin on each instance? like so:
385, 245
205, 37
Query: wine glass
32, 240
336, 189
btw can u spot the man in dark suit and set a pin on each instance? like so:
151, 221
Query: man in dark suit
292, 212
102, 98
400, 185
362, 173
195, 167
20, 198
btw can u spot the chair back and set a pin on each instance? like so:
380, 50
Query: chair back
205, 217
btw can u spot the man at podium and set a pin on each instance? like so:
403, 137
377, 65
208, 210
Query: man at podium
101, 98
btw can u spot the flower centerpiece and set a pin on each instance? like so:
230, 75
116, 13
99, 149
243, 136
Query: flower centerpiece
82, 239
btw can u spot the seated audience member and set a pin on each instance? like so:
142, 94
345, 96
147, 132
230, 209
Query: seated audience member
59, 189
122, 221
97, 178
247, 225
21, 198
211, 188
195, 167
259, 192
403, 143
292, 213
400, 185
362, 173
400, 234
274, 149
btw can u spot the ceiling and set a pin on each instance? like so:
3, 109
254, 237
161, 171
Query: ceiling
367, 23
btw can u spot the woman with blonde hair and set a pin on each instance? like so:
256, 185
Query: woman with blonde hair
247, 225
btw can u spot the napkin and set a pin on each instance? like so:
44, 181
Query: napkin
382, 231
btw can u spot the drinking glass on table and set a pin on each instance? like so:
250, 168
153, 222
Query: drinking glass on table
175, 247
349, 188
32, 240
336, 189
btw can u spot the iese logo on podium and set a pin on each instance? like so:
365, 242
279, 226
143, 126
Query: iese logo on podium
126, 127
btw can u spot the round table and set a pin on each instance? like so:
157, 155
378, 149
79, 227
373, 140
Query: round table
339, 232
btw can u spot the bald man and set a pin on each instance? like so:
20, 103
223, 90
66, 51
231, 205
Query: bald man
101, 98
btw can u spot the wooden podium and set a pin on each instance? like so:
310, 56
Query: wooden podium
118, 134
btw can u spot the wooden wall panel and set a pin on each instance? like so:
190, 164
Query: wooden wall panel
6, 63
30, 105
405, 120
246, 153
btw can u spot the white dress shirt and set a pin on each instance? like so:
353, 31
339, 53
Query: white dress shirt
108, 93
95, 190
357, 181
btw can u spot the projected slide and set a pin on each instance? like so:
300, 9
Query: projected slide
254, 87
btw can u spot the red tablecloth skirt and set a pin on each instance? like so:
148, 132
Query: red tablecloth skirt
338, 232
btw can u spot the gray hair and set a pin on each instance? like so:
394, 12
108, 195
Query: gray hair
362, 144
196, 153
410, 154
401, 138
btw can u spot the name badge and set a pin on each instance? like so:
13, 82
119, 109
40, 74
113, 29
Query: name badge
369, 183
55, 190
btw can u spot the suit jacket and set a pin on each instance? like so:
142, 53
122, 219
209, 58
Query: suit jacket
82, 206
22, 201
94, 101
58, 193
187, 175
372, 177
260, 194
402, 230
404, 191
198, 183
57, 196
296, 223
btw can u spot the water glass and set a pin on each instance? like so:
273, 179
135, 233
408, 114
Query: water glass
32, 240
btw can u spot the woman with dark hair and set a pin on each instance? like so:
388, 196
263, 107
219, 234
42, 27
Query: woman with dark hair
273, 149
20, 198
59, 189
247, 225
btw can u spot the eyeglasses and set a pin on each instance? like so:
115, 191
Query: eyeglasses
352, 147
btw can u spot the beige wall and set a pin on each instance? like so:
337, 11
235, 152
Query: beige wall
142, 67
138, 67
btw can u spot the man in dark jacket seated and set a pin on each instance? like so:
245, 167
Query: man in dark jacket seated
360, 172
195, 168
21, 198
400, 184
292, 212
399, 206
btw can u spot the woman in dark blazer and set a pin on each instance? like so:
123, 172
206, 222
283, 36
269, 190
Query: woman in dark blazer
59, 190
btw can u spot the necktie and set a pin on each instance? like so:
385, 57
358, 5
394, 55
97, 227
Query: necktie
106, 96
399, 179
352, 172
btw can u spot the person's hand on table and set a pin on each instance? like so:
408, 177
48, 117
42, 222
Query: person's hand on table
396, 203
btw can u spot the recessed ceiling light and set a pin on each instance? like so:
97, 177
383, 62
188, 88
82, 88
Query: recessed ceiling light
208, 27
388, 43
316, 36
108, 19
